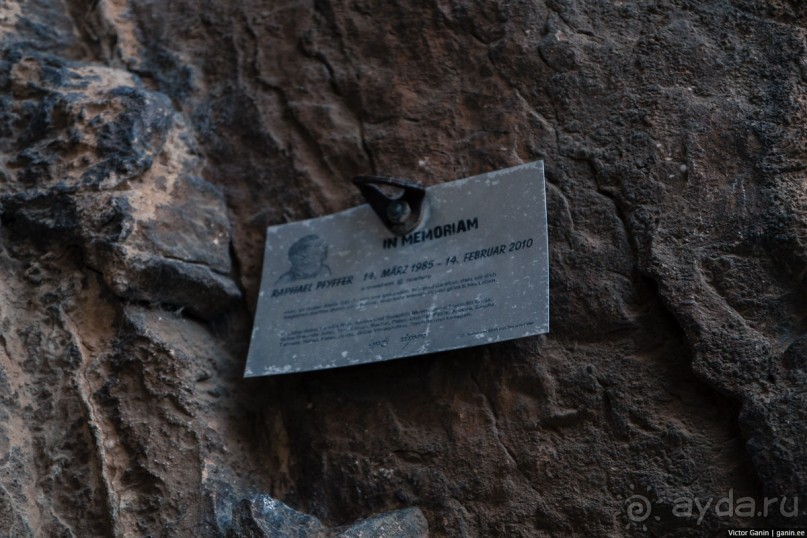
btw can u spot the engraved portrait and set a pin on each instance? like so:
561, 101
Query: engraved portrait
307, 258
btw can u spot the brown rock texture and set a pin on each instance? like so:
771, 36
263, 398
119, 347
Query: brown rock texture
145, 147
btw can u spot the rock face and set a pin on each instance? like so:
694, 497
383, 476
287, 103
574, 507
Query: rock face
146, 146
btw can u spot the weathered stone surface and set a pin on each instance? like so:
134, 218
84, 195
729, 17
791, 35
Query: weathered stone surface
99, 161
264, 517
408, 523
141, 141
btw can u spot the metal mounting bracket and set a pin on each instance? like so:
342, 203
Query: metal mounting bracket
400, 213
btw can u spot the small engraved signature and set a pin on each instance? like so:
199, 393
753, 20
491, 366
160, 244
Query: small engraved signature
409, 338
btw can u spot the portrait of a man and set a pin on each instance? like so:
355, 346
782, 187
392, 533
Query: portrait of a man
307, 257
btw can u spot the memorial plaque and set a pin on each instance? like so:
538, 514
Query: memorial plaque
343, 290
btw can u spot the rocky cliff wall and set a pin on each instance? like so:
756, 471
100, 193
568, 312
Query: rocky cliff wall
146, 145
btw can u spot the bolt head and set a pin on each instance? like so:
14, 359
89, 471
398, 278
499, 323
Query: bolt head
398, 211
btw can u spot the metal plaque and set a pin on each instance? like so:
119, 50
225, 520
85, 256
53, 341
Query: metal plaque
342, 289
